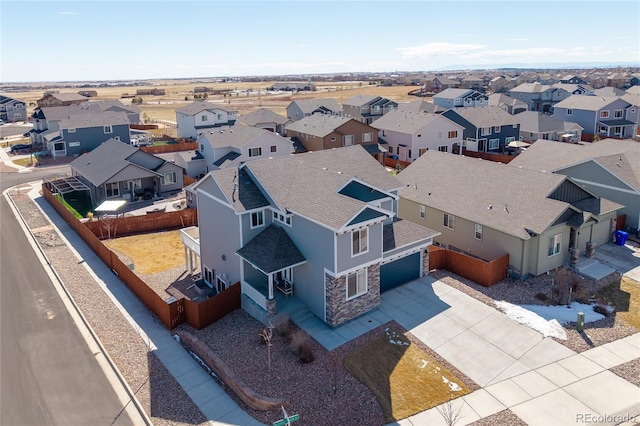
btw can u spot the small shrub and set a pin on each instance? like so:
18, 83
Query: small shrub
284, 330
298, 340
602, 310
542, 297
306, 353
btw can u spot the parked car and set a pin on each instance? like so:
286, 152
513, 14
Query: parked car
20, 147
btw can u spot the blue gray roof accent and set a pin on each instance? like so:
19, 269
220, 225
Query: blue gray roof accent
366, 215
362, 192
271, 250
230, 157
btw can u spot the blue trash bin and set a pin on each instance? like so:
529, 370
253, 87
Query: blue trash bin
621, 237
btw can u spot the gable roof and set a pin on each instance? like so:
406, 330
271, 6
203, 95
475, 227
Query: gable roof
319, 125
497, 99
452, 93
107, 118
110, 157
585, 102
408, 122
535, 122
308, 106
360, 100
485, 116
620, 157
271, 250
419, 105
262, 115
199, 106
234, 137
458, 185
531, 88
66, 96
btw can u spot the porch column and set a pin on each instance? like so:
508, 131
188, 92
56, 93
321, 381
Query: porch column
190, 261
186, 260
270, 286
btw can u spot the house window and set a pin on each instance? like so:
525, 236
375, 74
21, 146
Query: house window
72, 130
367, 137
485, 131
478, 232
74, 144
569, 111
255, 152
133, 184
448, 221
208, 275
617, 130
273, 148
555, 242
108, 129
618, 113
282, 218
390, 150
422, 151
347, 140
509, 139
113, 189
333, 138
220, 117
496, 129
169, 178
257, 219
423, 211
356, 283
443, 148
440, 134
359, 241
409, 153
604, 114
452, 134
204, 118
494, 144
602, 129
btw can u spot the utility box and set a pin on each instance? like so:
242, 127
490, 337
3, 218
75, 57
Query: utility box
580, 322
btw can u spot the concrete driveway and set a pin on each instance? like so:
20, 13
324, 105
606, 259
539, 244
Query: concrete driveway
625, 259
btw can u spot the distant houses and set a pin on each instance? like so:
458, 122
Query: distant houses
199, 117
12, 110
56, 99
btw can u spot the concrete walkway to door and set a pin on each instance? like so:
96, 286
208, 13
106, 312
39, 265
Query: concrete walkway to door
541, 381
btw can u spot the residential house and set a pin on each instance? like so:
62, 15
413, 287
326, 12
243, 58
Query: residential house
263, 118
539, 97
76, 129
507, 103
452, 98
606, 117
501, 84
319, 226
487, 209
12, 110
572, 79
609, 92
609, 168
472, 82
410, 134
56, 99
486, 129
193, 163
88, 93
291, 86
534, 126
199, 117
367, 108
153, 92
420, 105
618, 80
575, 89
230, 147
301, 108
633, 90
133, 111
320, 131
115, 170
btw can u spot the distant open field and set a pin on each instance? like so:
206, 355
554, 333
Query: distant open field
247, 96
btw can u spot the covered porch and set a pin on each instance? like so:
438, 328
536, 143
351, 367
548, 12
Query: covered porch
267, 271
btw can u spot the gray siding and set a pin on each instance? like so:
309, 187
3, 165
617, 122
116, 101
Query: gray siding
170, 167
91, 137
586, 119
344, 259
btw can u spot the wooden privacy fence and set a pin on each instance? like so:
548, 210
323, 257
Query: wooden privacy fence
171, 314
121, 226
173, 147
486, 273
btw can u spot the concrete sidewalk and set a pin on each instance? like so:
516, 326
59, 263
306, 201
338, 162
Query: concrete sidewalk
212, 401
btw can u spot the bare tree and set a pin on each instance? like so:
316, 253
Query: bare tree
267, 334
450, 413
108, 224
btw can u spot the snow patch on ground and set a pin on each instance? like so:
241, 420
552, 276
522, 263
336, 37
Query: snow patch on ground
548, 319
453, 386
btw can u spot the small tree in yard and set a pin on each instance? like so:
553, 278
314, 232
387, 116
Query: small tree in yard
450, 413
267, 334
562, 285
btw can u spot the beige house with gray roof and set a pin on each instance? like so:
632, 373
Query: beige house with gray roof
487, 210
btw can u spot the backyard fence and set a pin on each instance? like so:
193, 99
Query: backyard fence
121, 226
171, 313
172, 147
486, 273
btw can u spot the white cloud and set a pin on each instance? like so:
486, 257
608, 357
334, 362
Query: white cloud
518, 39
68, 13
438, 49
532, 53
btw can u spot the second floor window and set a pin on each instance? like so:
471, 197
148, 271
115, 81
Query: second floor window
452, 134
485, 131
255, 152
359, 241
108, 129
204, 118
423, 211
257, 219
448, 221
478, 232
169, 178
604, 114
347, 140
367, 137
618, 113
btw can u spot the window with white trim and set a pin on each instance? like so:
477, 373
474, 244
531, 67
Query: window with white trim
569, 111
71, 130
282, 218
443, 148
113, 189
347, 140
208, 275
618, 113
204, 118
478, 232
448, 221
452, 134
359, 241
604, 114
108, 129
357, 283
485, 131
496, 129
169, 178
494, 144
509, 139
555, 243
423, 211
257, 219
440, 135
255, 152
367, 137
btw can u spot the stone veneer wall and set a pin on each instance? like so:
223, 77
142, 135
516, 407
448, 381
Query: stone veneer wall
341, 310
425, 262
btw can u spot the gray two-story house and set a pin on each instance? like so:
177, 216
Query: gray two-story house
320, 227
486, 129
367, 108
454, 98
12, 110
539, 97
301, 108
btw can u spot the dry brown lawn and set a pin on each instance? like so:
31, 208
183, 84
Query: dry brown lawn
625, 297
403, 377
151, 253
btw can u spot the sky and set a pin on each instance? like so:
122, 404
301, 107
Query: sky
126, 40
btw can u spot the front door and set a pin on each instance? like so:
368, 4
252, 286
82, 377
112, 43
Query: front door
402, 152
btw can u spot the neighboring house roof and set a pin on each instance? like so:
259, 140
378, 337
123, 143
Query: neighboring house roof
262, 115
401, 233
531, 88
458, 185
419, 105
408, 122
360, 100
634, 90
498, 99
632, 98
319, 125
271, 250
189, 155
230, 156
571, 87
609, 92
620, 157
534, 122
587, 103
108, 118
452, 93
234, 137
486, 116
67, 96
199, 106
308, 106
110, 157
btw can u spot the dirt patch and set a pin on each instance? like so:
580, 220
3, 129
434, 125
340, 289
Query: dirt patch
150, 253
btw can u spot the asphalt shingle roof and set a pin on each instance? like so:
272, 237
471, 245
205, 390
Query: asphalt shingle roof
401, 233
407, 121
319, 125
260, 116
534, 122
235, 136
486, 116
199, 106
271, 250
590, 103
307, 106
